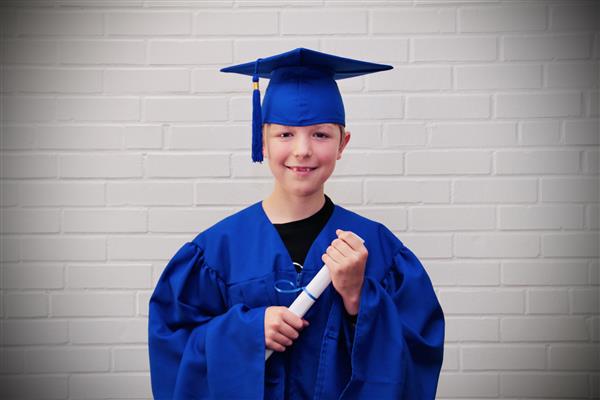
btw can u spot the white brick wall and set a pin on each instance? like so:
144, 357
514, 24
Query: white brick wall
120, 140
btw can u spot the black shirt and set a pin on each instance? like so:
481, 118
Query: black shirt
299, 235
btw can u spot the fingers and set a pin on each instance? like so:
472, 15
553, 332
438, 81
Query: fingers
282, 327
293, 320
350, 238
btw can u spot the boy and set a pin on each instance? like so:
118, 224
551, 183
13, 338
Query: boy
376, 333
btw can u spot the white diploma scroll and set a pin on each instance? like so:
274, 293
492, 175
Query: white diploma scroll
315, 287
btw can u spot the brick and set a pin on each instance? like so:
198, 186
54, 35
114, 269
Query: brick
569, 189
585, 301
593, 326
61, 194
540, 217
101, 166
476, 134
208, 137
98, 109
371, 163
536, 133
81, 137
545, 47
143, 137
236, 23
404, 134
429, 246
591, 162
48, 23
382, 191
412, 79
131, 359
495, 19
572, 75
502, 245
595, 273
323, 22
11, 361
548, 302
242, 167
11, 249
240, 108
574, 358
143, 303
452, 218
570, 245
537, 162
184, 109
62, 248
85, 304
28, 109
125, 81
592, 102
38, 80
447, 106
26, 305
582, 132
450, 358
148, 23
23, 166
102, 52
444, 273
537, 273
219, 192
507, 76
32, 332
574, 17
392, 217
503, 357
143, 247
101, 386
189, 52
495, 190
109, 276
31, 276
432, 162
365, 135
454, 49
348, 191
246, 49
544, 385
26, 386
30, 51
211, 80
527, 105
186, 165
17, 137
374, 49
592, 217
29, 221
104, 220
543, 329
99, 331
412, 20
149, 194
482, 301
66, 359
471, 385
374, 106
9, 195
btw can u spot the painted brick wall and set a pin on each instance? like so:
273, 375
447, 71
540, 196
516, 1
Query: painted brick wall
120, 140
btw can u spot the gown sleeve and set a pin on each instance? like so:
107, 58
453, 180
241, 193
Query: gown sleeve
199, 347
397, 350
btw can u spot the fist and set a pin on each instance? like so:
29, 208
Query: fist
346, 259
282, 327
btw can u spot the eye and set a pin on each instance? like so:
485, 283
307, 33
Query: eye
284, 134
321, 135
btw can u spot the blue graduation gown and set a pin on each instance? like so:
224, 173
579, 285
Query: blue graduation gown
206, 323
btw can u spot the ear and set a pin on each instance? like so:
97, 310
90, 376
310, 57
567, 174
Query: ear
344, 143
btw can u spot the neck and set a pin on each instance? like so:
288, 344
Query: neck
283, 207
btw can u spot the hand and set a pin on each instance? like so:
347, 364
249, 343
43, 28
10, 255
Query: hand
346, 259
282, 327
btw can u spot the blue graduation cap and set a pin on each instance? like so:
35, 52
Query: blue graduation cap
302, 89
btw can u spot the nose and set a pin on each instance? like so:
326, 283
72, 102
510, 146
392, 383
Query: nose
302, 146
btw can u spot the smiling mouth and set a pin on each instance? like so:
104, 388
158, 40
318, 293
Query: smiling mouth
302, 169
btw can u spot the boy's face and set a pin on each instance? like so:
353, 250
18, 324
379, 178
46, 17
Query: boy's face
302, 158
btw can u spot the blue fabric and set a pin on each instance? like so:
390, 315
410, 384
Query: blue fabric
206, 324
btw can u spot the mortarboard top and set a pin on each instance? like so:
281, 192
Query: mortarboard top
302, 89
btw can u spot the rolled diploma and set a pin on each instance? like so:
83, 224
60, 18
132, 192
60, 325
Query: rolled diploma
303, 302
